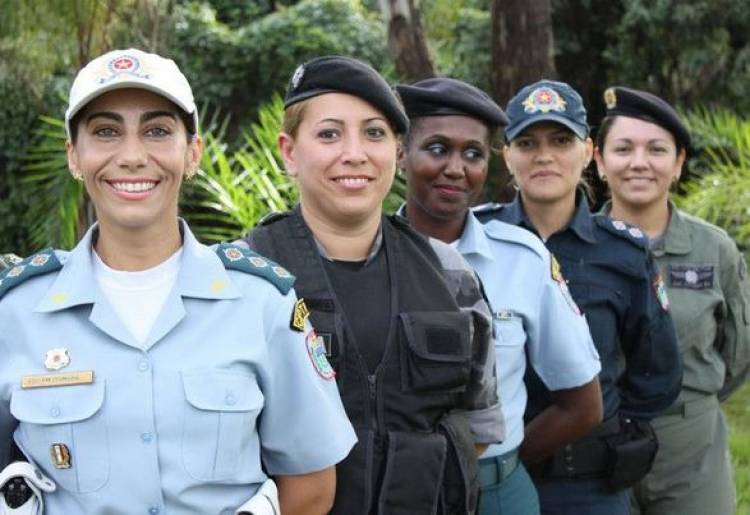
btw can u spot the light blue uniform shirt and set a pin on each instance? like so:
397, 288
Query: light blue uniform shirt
531, 314
181, 424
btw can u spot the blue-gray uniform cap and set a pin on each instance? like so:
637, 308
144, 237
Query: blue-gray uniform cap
443, 96
621, 101
341, 74
546, 100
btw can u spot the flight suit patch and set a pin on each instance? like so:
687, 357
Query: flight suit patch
695, 277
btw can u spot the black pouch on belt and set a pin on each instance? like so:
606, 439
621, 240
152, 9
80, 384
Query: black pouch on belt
632, 452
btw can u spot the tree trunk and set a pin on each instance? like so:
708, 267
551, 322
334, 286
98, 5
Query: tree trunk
522, 45
407, 41
522, 53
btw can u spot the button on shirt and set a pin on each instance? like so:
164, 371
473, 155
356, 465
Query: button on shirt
221, 392
530, 316
614, 281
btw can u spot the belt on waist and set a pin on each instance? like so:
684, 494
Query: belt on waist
497, 468
691, 407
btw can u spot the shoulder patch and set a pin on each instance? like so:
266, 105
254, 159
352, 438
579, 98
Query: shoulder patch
9, 260
622, 230
245, 260
272, 217
42, 262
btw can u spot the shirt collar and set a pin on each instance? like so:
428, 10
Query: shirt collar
474, 240
201, 275
677, 239
581, 224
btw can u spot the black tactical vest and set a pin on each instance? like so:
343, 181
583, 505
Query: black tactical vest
415, 456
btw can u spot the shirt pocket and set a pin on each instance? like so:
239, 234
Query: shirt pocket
219, 436
437, 353
71, 416
509, 329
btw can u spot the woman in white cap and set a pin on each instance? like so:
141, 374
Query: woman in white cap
144, 372
402, 318
642, 145
613, 280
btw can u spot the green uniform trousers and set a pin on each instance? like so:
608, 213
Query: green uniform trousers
692, 474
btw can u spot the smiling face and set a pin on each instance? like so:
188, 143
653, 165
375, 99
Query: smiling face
132, 151
547, 160
344, 158
640, 162
446, 164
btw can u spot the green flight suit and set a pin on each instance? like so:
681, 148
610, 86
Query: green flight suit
709, 293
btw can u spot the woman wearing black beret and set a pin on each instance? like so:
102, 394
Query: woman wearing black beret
401, 318
446, 155
641, 149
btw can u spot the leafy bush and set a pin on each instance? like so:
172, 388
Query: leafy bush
720, 192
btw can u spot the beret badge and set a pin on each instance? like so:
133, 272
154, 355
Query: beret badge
299, 74
544, 100
610, 98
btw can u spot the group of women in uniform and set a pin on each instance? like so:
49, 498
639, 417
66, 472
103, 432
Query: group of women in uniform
145, 372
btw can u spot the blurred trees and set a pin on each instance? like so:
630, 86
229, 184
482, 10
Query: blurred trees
237, 53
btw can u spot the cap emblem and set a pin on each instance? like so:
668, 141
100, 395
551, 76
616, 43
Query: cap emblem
544, 100
610, 98
299, 73
121, 65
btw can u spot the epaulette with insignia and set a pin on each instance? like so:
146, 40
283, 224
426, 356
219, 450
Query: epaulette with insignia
9, 260
245, 260
486, 212
42, 262
272, 217
624, 230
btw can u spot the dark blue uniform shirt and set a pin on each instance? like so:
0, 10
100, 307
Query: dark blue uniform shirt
614, 281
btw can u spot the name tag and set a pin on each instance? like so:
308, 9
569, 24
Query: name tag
696, 277
49, 380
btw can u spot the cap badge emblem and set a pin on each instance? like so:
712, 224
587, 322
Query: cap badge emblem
55, 359
123, 65
544, 100
610, 98
299, 73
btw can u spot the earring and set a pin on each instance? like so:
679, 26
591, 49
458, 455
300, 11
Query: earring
603, 178
189, 174
77, 174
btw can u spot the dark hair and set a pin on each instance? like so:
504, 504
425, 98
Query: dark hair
609, 121
187, 121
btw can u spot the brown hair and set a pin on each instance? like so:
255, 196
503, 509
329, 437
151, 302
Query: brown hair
293, 116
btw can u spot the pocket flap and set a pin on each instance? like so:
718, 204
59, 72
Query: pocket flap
222, 391
509, 330
57, 405
439, 335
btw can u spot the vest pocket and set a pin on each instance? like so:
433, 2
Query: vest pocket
413, 473
68, 416
219, 428
437, 351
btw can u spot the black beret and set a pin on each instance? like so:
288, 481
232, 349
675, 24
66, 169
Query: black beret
340, 74
444, 96
621, 101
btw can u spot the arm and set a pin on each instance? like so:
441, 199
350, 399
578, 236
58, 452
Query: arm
575, 412
734, 341
307, 494
653, 371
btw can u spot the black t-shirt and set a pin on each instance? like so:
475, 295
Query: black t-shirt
364, 291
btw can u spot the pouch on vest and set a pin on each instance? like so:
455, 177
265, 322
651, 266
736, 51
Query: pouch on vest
413, 473
437, 354
632, 452
461, 477
354, 477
